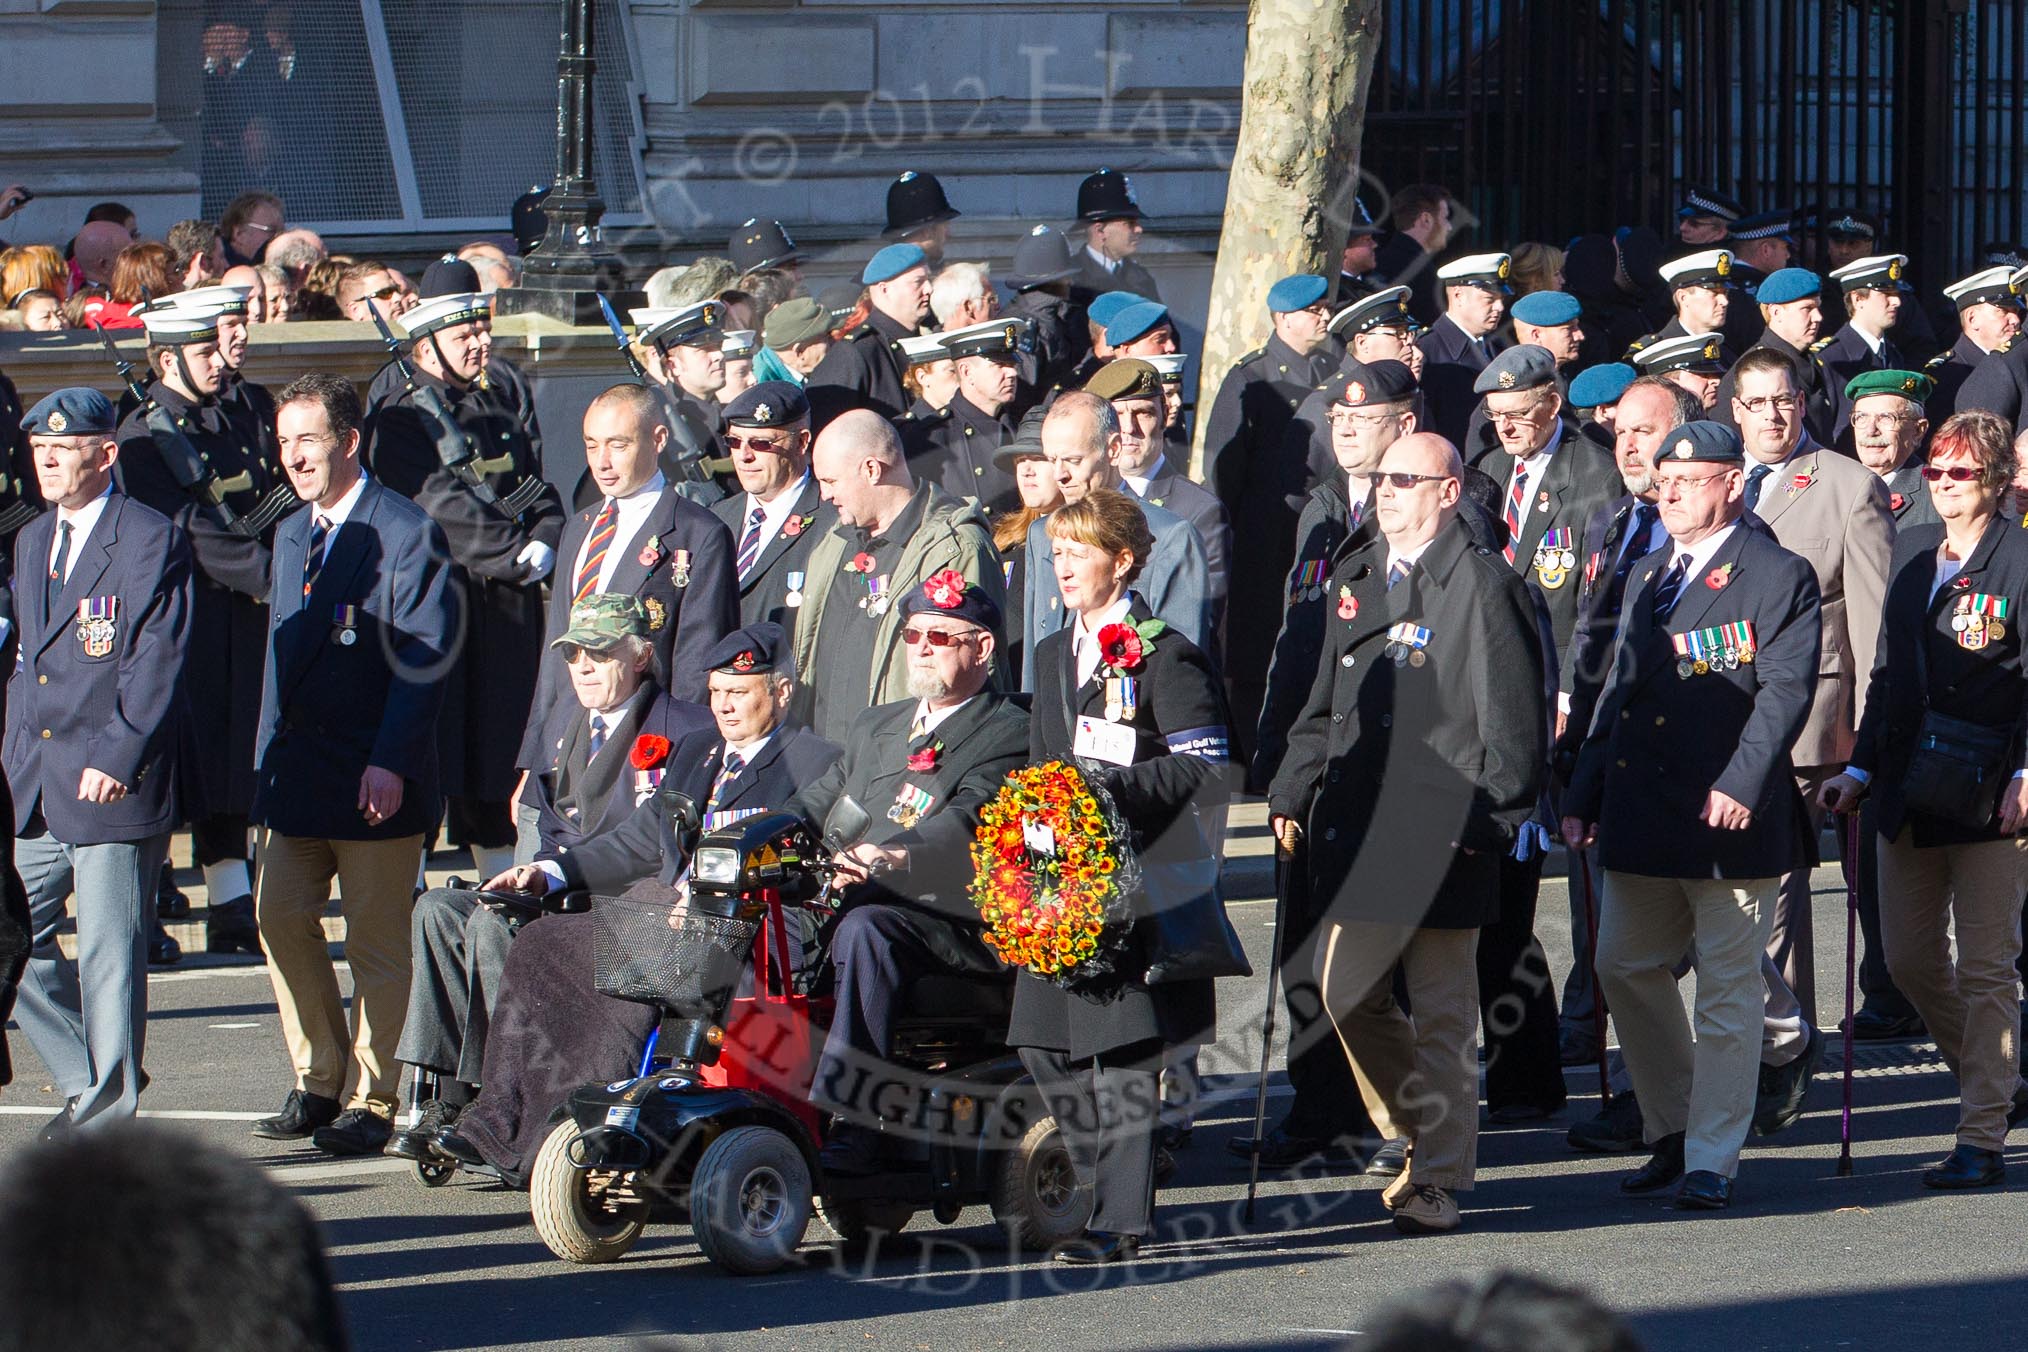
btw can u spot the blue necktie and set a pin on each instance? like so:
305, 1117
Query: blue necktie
1670, 589
313, 560
1396, 571
598, 736
57, 568
1756, 479
749, 546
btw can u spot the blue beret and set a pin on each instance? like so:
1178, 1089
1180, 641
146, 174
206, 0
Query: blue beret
1521, 367
891, 262
771, 403
1108, 304
1701, 440
75, 412
1299, 292
1786, 284
1547, 308
1134, 321
756, 648
1595, 386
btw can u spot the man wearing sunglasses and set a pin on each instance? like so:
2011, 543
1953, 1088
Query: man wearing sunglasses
1686, 784
781, 515
367, 287
1834, 512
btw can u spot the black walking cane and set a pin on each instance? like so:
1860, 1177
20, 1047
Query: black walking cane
1267, 1030
1851, 843
1598, 1001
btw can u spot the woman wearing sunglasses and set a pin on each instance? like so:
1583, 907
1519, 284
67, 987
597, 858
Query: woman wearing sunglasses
1139, 708
1941, 751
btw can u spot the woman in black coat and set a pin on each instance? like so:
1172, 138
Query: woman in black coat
1154, 732
1951, 649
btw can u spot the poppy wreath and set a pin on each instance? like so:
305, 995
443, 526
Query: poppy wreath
1053, 874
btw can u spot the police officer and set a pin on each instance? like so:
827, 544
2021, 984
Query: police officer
1695, 361
683, 350
778, 517
1706, 216
1873, 300
1792, 313
956, 451
1247, 466
1110, 214
229, 544
1463, 339
95, 710
1700, 290
1040, 281
1989, 315
863, 370
1685, 782
918, 213
1761, 245
502, 522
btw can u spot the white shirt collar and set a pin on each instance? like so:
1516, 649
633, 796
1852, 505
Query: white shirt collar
746, 751
1139, 482
339, 512
81, 523
1873, 343
1703, 551
1084, 639
1109, 264
932, 719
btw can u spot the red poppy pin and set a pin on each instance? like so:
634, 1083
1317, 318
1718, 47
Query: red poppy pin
794, 525
945, 589
1718, 577
862, 562
649, 751
924, 760
1896, 501
1962, 582
1348, 604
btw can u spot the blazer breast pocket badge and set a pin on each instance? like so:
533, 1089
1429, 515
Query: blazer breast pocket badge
98, 624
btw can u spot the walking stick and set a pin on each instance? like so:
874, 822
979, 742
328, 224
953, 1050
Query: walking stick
1267, 1030
1851, 843
1598, 1001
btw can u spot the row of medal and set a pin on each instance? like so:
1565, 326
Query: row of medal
1724, 647
1309, 581
1980, 618
1555, 557
1405, 644
1123, 698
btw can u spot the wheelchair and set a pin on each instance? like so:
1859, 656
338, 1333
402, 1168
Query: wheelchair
716, 1129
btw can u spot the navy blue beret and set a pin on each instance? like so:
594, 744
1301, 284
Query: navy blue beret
948, 593
771, 403
1701, 440
744, 652
74, 412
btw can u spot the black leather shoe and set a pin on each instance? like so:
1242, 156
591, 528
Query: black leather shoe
1099, 1246
1173, 1136
1664, 1167
1615, 1130
170, 903
414, 1142
357, 1131
302, 1113
163, 950
850, 1151
1967, 1167
58, 1127
1577, 1046
1390, 1160
1783, 1089
1704, 1190
455, 1147
2018, 1114
230, 928
1873, 1025
1281, 1150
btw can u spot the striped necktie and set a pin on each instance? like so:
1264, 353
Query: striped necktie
58, 566
1397, 571
1517, 507
1670, 589
596, 546
750, 543
313, 561
598, 737
727, 772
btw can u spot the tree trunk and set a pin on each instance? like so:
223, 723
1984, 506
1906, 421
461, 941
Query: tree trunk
1294, 171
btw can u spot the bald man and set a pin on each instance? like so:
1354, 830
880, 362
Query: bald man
95, 248
892, 533
1425, 732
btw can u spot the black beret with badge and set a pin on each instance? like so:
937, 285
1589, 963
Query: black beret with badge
751, 650
1361, 384
771, 403
1703, 440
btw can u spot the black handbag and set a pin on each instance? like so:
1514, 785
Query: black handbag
1957, 770
1184, 931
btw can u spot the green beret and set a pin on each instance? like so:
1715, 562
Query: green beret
1908, 384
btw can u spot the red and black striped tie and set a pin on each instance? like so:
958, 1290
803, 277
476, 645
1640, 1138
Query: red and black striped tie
596, 544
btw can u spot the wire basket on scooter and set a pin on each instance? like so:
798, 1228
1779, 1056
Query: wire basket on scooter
648, 952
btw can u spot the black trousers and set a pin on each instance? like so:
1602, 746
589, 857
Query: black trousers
1517, 999
1108, 1109
15, 944
1327, 1103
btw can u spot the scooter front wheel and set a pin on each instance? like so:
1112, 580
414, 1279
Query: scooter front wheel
583, 1215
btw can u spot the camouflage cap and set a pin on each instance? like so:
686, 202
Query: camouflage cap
602, 619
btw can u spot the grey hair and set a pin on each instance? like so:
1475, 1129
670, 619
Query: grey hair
958, 284
1105, 423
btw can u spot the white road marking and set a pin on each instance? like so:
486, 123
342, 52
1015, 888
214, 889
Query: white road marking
167, 1114
207, 973
232, 1025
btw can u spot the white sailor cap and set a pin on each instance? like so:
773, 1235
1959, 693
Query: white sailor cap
1488, 271
1703, 353
1382, 309
1007, 336
1708, 268
1880, 272
441, 312
1987, 286
227, 300
178, 325
1168, 366
739, 342
686, 325
921, 349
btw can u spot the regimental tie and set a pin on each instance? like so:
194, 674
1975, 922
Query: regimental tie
1670, 589
918, 728
1396, 571
1756, 479
1631, 548
57, 568
1517, 507
313, 559
728, 771
750, 543
596, 546
598, 736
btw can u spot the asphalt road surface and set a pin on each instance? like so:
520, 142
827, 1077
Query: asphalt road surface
1805, 1260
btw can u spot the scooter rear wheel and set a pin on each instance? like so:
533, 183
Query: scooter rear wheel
572, 1210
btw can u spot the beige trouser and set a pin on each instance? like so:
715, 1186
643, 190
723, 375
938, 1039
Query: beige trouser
1419, 1075
376, 892
1970, 1006
1704, 1089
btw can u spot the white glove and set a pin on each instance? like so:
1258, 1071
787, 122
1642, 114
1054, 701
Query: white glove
538, 558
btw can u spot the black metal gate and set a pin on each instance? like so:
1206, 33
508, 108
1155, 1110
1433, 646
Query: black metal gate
1550, 118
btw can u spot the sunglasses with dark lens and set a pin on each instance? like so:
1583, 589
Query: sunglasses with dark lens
1411, 480
938, 638
572, 651
385, 292
756, 444
1963, 474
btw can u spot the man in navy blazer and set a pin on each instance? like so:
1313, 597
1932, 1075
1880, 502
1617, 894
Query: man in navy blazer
101, 589
644, 539
360, 645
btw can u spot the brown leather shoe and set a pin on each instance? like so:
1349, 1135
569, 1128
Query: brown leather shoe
1427, 1210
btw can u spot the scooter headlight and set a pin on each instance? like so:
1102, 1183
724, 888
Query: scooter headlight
716, 867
